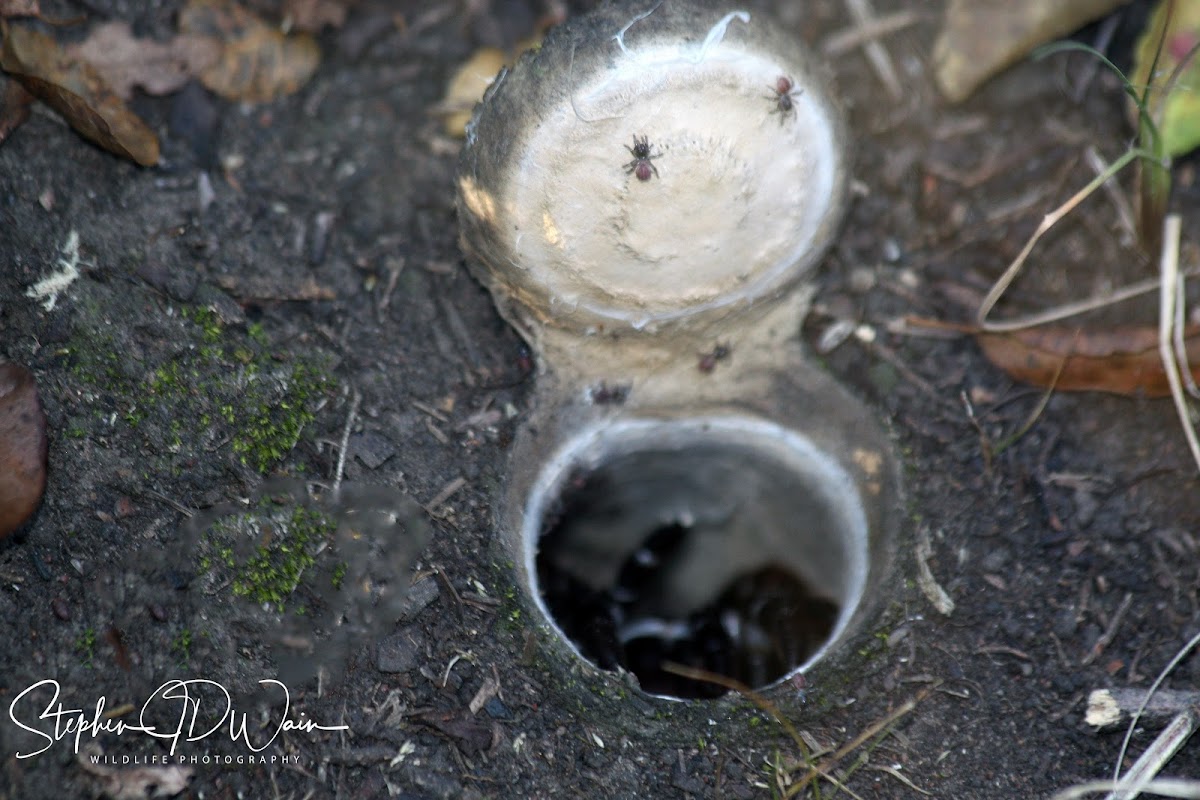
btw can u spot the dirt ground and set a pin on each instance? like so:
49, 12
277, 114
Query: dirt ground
210, 346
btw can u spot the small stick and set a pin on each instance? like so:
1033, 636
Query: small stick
445, 494
864, 15
1110, 632
844, 41
1108, 708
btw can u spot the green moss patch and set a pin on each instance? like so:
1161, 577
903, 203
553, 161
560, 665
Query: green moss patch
207, 387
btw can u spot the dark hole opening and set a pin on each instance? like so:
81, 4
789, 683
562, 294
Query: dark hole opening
611, 540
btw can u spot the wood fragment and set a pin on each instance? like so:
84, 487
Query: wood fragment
1112, 708
489, 689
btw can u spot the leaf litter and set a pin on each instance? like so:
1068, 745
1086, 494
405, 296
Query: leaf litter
229, 49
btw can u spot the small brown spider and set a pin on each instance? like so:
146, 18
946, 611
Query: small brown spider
641, 165
784, 91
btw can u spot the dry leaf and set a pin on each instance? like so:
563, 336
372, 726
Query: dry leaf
20, 8
258, 62
1119, 360
78, 92
22, 447
313, 15
126, 61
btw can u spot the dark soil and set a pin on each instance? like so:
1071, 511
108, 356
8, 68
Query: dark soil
210, 357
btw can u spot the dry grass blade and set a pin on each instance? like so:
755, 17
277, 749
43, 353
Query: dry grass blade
1182, 654
1162, 787
737, 686
1168, 293
1162, 750
1049, 221
869, 733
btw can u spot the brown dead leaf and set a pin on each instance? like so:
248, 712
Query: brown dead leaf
313, 15
22, 447
20, 8
159, 68
1121, 360
258, 62
15, 105
78, 92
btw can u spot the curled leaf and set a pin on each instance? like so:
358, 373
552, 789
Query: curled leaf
76, 90
1122, 360
259, 62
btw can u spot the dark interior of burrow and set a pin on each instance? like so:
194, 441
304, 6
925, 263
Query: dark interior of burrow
640, 513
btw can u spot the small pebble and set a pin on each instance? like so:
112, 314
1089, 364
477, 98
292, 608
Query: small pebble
158, 612
60, 609
124, 508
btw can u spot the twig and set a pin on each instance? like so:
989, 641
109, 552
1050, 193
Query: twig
1110, 632
1108, 708
445, 494
1169, 271
876, 53
844, 41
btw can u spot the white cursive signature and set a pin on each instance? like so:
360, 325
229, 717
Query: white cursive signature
75, 722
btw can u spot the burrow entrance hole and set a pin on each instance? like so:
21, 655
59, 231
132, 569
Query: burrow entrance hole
704, 551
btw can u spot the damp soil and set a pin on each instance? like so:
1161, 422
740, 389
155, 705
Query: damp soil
214, 347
